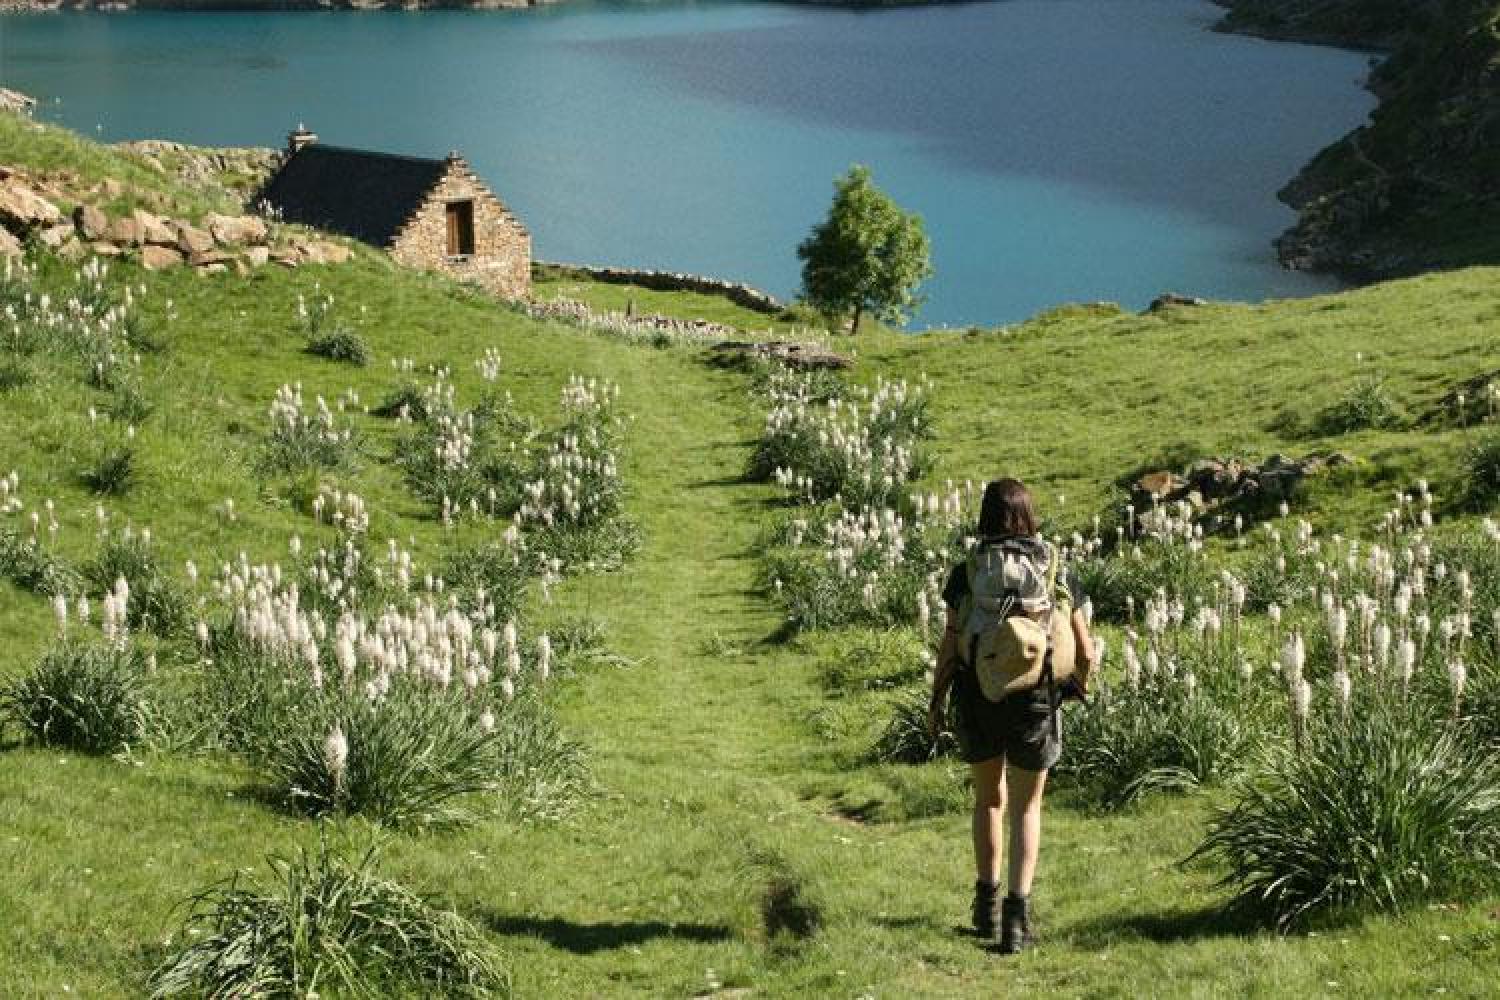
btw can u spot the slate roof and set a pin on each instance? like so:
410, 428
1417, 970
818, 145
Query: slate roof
352, 191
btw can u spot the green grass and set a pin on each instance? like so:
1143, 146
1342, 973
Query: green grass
727, 770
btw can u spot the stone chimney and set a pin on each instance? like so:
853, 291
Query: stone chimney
299, 137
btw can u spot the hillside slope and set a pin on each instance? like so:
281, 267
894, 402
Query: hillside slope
739, 836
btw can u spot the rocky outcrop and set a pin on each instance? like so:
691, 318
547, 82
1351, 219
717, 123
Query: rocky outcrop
1372, 24
22, 209
1223, 485
29, 212
1416, 189
792, 354
14, 100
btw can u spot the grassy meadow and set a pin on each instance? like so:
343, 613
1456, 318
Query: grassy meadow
736, 836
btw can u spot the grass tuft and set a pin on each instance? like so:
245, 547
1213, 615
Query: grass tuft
82, 696
325, 923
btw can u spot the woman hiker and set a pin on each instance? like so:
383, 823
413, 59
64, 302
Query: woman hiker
1010, 744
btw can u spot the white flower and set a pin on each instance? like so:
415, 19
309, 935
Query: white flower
1406, 659
487, 721
1458, 676
1301, 697
336, 755
544, 656
1342, 687
1293, 657
60, 610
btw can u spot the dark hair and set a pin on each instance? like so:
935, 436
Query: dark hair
1006, 510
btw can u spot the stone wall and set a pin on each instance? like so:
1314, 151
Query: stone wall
672, 281
501, 262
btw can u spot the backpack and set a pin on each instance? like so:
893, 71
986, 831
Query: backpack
1017, 622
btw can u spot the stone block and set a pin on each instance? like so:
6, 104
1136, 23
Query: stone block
126, 232
154, 229
191, 240
159, 258
92, 224
23, 209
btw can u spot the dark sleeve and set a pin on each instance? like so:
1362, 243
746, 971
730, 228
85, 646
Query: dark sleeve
957, 587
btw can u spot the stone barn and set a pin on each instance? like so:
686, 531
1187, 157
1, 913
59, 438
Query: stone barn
433, 214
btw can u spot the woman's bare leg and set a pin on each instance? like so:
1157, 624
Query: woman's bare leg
989, 812
1025, 793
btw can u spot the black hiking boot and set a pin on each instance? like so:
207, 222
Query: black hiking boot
986, 910
1015, 925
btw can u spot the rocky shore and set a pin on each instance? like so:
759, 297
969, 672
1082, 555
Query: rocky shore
1413, 190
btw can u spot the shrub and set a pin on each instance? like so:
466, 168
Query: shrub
245, 694
906, 738
407, 399
324, 924
14, 375
1156, 737
84, 697
130, 404
1367, 405
340, 344
500, 570
874, 659
298, 440
29, 566
1380, 808
868, 568
1481, 469
542, 775
404, 759
156, 604
112, 471
864, 450
1134, 574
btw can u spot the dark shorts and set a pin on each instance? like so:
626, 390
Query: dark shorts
1018, 728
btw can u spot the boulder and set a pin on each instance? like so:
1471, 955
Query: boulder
191, 240
789, 353
159, 258
23, 209
1169, 300
286, 259
234, 231
103, 248
326, 252
9, 245
154, 229
209, 258
257, 256
53, 237
92, 224
1159, 484
126, 232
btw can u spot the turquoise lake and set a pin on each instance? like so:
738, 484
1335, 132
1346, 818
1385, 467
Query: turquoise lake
1059, 150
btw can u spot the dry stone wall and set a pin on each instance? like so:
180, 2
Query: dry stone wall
501, 262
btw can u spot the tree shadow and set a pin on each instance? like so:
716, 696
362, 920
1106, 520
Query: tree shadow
586, 939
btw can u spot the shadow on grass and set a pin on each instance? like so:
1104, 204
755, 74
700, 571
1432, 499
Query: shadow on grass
1173, 926
586, 939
